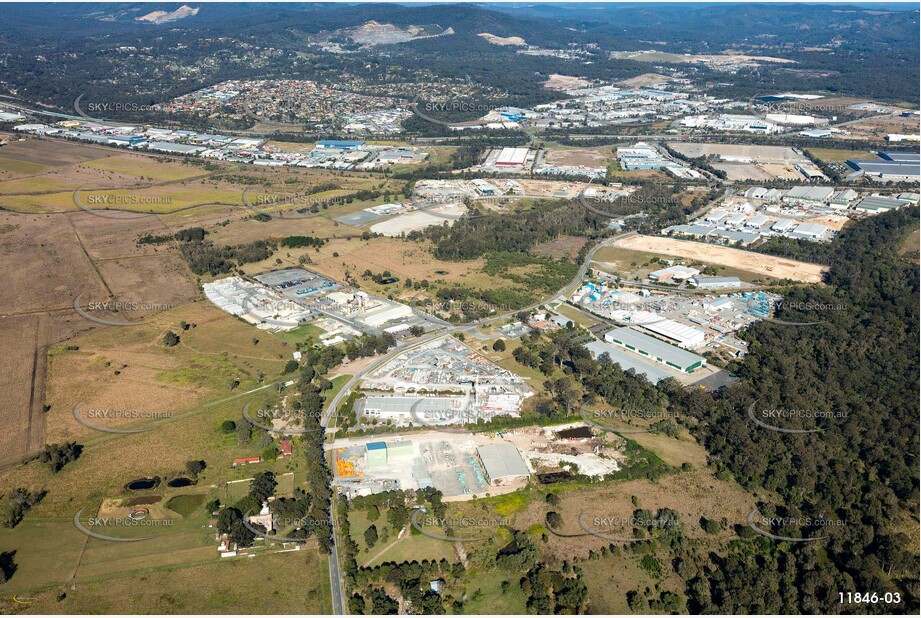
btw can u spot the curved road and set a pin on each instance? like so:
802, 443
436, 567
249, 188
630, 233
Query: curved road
335, 574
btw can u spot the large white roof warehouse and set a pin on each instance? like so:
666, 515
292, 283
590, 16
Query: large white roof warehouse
686, 336
512, 156
658, 350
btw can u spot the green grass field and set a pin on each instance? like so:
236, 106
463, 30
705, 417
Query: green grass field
185, 504
143, 167
280, 583
413, 546
22, 167
484, 593
301, 334
840, 155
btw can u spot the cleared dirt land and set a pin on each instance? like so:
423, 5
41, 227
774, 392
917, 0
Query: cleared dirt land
590, 157
762, 154
564, 82
782, 268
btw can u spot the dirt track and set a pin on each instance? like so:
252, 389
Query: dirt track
761, 264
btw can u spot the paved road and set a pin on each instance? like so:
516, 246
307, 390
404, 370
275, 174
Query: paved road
335, 571
335, 576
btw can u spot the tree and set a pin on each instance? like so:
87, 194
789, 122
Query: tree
228, 427
382, 604
195, 466
18, 503
59, 455
7, 566
244, 431
416, 331
554, 519
398, 516
371, 536
226, 518
290, 367
710, 526
357, 605
170, 339
636, 602
263, 486
230, 522
499, 345
374, 513
553, 499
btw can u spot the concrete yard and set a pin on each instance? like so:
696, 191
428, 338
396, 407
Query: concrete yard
419, 220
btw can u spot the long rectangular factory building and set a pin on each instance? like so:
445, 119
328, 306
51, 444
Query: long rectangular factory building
658, 350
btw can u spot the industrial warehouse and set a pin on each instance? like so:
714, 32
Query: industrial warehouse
661, 352
452, 384
284, 299
465, 465
703, 313
889, 167
460, 465
814, 213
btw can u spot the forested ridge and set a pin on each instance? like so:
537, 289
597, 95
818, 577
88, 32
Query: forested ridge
859, 365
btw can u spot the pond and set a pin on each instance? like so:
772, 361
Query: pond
139, 484
554, 477
180, 482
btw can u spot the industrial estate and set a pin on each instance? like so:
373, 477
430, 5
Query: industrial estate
460, 309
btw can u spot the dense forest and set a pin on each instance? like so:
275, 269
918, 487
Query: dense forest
860, 363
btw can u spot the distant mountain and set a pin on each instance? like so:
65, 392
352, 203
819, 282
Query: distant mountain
166, 17
698, 27
847, 49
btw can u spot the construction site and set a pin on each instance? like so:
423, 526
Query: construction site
464, 465
572, 448
754, 162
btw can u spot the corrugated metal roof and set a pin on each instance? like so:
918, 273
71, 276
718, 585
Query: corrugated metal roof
879, 202
654, 347
502, 460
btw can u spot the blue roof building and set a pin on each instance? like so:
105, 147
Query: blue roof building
341, 144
